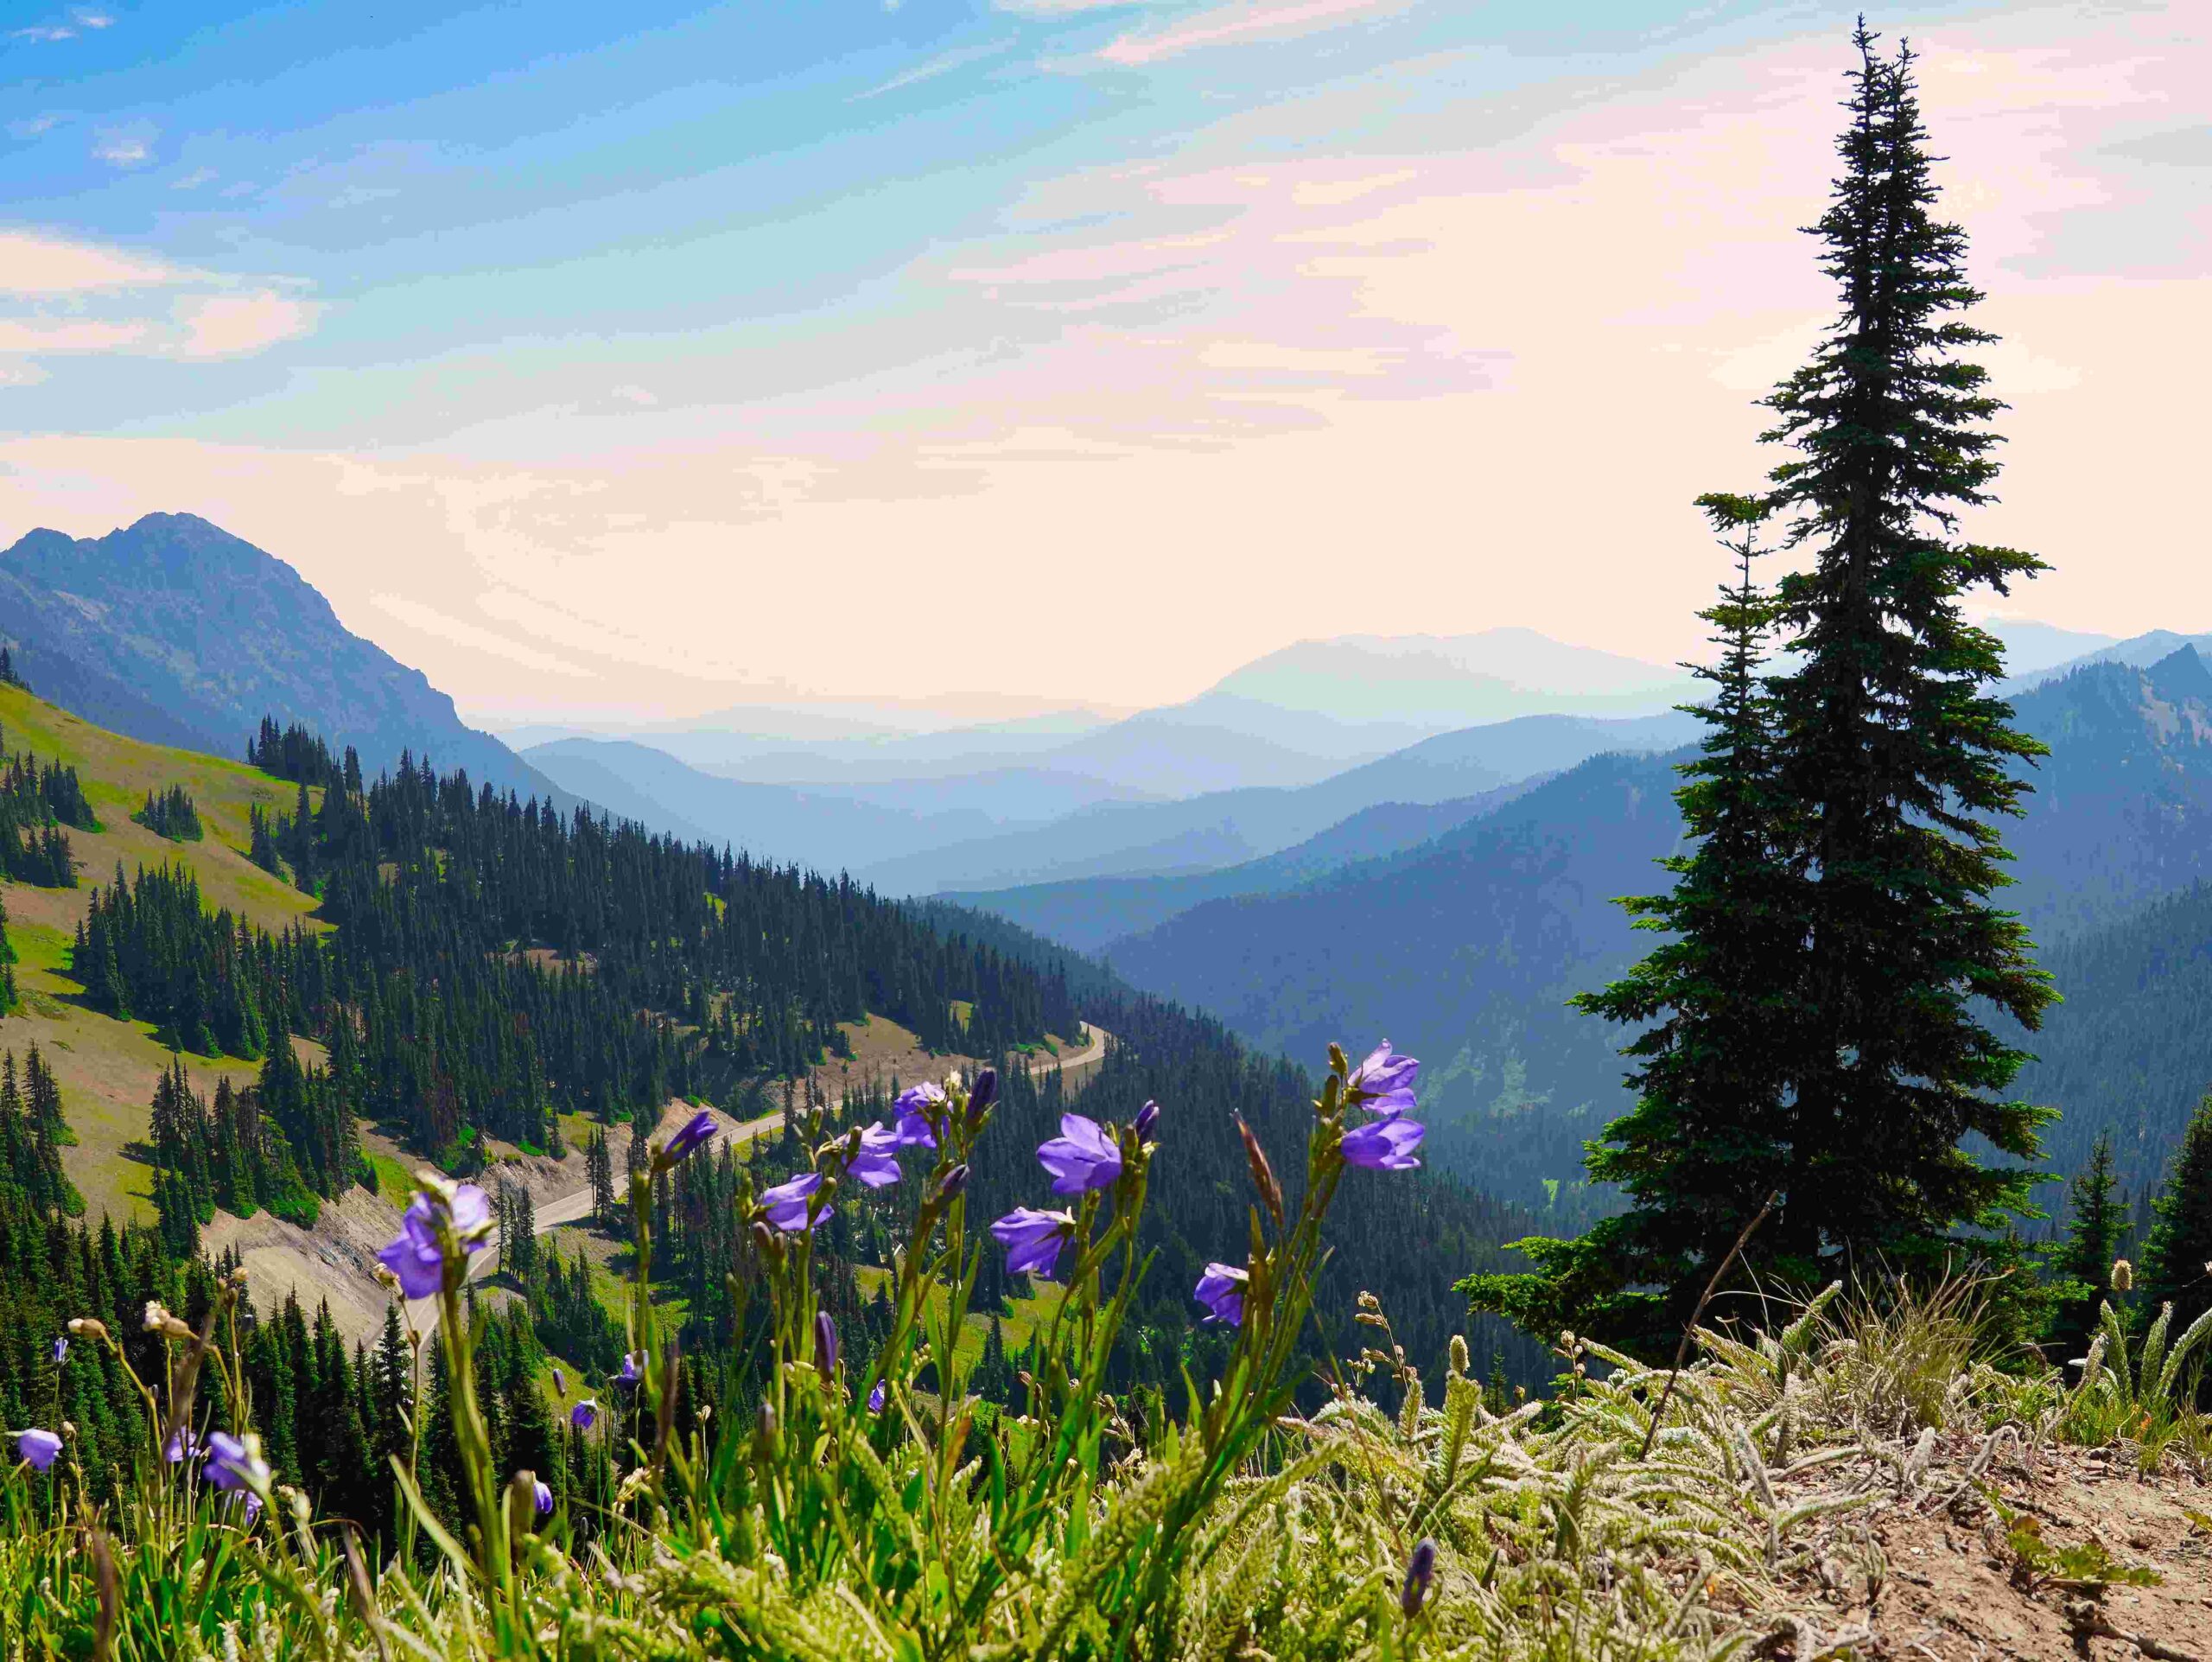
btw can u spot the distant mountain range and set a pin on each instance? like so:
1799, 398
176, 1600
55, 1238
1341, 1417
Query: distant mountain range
1466, 948
174, 631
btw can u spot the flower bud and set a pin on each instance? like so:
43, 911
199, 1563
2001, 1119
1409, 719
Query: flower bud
2123, 1276
982, 1095
89, 1327
1459, 1355
825, 1343
1147, 1121
955, 1181
1420, 1569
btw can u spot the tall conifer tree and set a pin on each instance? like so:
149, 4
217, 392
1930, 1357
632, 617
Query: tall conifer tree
2096, 1221
1894, 755
1818, 1031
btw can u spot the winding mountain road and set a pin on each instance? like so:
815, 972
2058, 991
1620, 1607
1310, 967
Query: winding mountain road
576, 1206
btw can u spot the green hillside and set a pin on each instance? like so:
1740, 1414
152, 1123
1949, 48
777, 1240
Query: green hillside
107, 1069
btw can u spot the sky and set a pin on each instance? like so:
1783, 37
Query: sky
634, 360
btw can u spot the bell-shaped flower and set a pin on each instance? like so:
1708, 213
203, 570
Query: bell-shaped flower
1083, 1157
1221, 1289
1033, 1239
40, 1448
787, 1203
1384, 1144
876, 1165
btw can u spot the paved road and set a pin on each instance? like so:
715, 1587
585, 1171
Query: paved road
576, 1206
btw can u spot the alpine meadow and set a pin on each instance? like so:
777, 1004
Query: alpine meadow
747, 1131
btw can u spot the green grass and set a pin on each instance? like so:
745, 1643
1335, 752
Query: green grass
395, 1181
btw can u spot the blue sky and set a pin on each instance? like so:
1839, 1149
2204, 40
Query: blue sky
615, 357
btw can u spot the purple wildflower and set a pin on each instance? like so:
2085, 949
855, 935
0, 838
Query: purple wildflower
1420, 1569
826, 1342
875, 1398
60, 1350
1082, 1157
1383, 1084
182, 1446
233, 1463
560, 1385
877, 1163
40, 1448
544, 1497
688, 1141
253, 1508
417, 1256
1147, 1121
1221, 1289
787, 1203
584, 1415
1384, 1144
630, 1375
955, 1182
1033, 1239
920, 1110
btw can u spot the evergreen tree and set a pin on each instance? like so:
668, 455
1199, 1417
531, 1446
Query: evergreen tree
601, 1166
2082, 1268
1700, 1151
2178, 1257
1819, 1032
1893, 756
6, 962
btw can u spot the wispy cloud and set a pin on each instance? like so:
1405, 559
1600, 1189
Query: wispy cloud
33, 127
43, 32
130, 146
32, 263
194, 179
236, 326
942, 64
1241, 23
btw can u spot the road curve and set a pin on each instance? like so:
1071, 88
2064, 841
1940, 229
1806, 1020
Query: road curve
575, 1208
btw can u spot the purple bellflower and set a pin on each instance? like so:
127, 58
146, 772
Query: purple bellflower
1084, 1156
787, 1203
416, 1255
875, 1398
1147, 1122
1033, 1239
1221, 1289
876, 1165
542, 1497
560, 1385
630, 1375
981, 1095
826, 1342
584, 1415
233, 1463
921, 1111
1420, 1569
1383, 1084
1384, 1144
40, 1448
694, 1135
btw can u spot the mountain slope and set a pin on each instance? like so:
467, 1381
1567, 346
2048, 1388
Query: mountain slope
818, 829
175, 615
107, 1069
1466, 948
1089, 913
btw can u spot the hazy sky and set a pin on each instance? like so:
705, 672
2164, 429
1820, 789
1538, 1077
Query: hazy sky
600, 358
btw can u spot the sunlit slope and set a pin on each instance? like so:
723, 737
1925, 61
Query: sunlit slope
107, 1069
